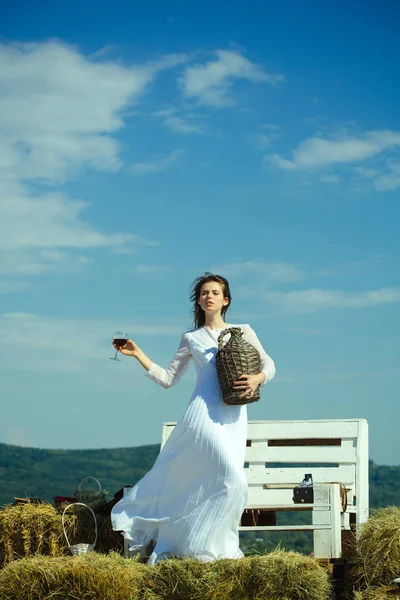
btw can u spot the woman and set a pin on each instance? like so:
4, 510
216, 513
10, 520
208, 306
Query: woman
191, 501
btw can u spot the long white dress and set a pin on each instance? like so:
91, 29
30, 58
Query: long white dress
191, 501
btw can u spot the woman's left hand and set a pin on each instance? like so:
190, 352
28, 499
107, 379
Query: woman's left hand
249, 384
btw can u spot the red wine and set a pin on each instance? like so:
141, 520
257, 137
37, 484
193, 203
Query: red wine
120, 342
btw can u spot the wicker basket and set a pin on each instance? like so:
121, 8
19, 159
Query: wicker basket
91, 498
81, 548
237, 357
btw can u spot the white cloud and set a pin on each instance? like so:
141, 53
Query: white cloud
300, 330
308, 301
261, 141
265, 272
334, 373
353, 266
59, 111
270, 126
165, 112
163, 164
210, 83
366, 172
322, 153
389, 180
153, 269
385, 179
318, 152
54, 342
58, 108
46, 232
258, 277
179, 125
330, 179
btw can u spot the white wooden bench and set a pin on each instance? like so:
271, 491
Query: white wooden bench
334, 451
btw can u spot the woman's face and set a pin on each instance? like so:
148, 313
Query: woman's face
211, 297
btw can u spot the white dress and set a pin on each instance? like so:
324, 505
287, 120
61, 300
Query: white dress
190, 503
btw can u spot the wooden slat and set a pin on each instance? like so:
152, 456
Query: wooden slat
270, 497
284, 496
261, 497
345, 474
362, 475
285, 507
285, 528
346, 453
275, 430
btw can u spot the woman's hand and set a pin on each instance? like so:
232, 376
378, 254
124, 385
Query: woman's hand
129, 349
249, 384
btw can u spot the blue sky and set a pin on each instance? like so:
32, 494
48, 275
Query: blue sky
141, 145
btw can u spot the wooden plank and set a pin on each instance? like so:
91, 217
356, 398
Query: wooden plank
285, 507
362, 468
271, 497
327, 544
346, 453
275, 430
336, 509
284, 528
326, 428
294, 475
277, 497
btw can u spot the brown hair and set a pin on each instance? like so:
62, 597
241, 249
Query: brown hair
199, 317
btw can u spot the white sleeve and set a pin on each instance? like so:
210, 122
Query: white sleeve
177, 367
267, 364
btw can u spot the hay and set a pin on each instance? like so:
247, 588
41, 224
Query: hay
379, 548
384, 592
180, 579
91, 576
278, 576
29, 529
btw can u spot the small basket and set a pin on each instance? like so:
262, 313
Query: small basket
89, 497
81, 548
237, 357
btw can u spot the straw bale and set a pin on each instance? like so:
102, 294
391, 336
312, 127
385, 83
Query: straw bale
279, 576
180, 579
29, 529
378, 548
91, 576
384, 592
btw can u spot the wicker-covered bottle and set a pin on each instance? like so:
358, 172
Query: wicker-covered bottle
235, 358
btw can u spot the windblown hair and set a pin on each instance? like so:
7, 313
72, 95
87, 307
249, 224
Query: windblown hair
199, 317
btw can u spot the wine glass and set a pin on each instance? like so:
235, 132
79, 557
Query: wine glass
119, 339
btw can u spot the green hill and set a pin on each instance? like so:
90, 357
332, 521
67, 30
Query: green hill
47, 473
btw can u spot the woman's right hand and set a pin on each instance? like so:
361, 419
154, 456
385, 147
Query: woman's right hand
129, 349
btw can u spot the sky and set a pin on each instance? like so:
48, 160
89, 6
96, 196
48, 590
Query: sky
142, 145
